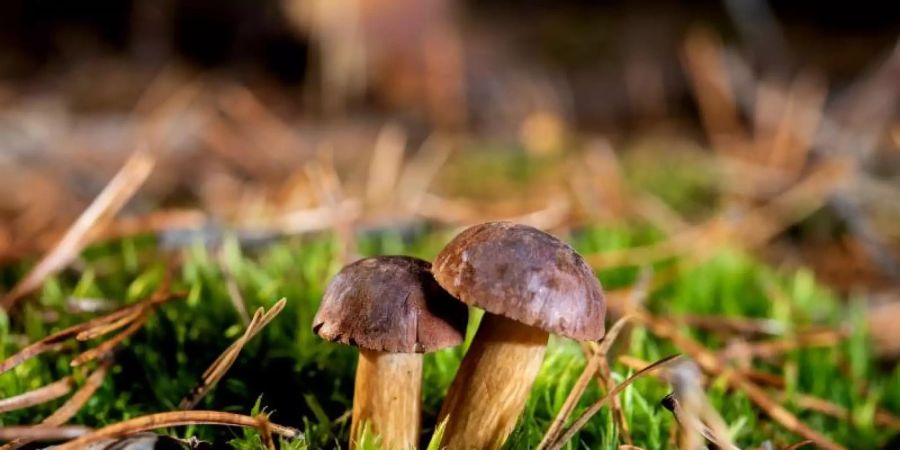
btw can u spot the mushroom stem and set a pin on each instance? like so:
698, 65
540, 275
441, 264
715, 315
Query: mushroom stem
387, 397
492, 384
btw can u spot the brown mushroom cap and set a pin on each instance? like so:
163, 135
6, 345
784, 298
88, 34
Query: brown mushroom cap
524, 274
390, 304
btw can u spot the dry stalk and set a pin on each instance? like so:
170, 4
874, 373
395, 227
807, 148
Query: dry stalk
604, 377
635, 296
271, 132
703, 58
92, 328
455, 211
106, 328
711, 364
799, 445
145, 423
113, 197
265, 431
234, 291
221, 139
310, 219
805, 401
37, 396
330, 192
81, 396
419, 173
72, 405
813, 403
773, 348
385, 165
108, 345
693, 410
220, 366
756, 226
41, 432
594, 408
152, 223
593, 362
731, 325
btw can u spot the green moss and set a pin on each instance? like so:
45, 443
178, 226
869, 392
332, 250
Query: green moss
307, 383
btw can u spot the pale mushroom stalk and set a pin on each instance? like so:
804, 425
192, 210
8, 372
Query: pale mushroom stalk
387, 396
493, 383
530, 284
391, 308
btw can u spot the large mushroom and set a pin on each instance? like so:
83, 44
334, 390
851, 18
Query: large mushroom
391, 308
529, 284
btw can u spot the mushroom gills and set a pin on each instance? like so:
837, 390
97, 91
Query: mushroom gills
387, 397
493, 384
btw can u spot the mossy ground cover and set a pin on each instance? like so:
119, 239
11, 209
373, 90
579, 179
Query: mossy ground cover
307, 383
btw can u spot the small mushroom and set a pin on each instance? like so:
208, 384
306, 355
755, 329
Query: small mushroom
530, 284
391, 308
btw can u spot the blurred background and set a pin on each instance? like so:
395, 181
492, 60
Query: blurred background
655, 136
769, 125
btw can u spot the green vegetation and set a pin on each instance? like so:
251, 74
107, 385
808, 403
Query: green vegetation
307, 383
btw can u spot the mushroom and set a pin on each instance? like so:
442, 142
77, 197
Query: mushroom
391, 308
529, 284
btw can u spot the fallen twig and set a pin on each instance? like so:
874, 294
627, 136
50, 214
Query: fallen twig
91, 328
594, 408
749, 228
330, 192
109, 327
42, 432
772, 348
593, 362
81, 396
704, 61
220, 366
37, 396
234, 291
692, 409
711, 364
637, 294
799, 445
72, 405
108, 345
671, 403
56, 340
385, 165
806, 401
813, 403
113, 197
153, 222
731, 325
265, 431
604, 377
171, 419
